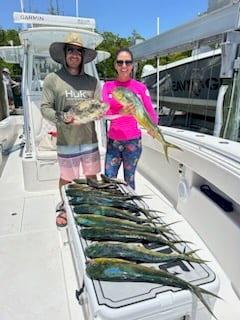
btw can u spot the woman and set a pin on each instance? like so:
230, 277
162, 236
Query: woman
124, 144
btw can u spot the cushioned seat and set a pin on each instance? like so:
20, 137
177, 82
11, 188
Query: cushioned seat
45, 143
46, 155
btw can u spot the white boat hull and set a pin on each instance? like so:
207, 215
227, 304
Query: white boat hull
205, 160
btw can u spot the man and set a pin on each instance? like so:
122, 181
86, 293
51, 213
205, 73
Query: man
10, 83
76, 143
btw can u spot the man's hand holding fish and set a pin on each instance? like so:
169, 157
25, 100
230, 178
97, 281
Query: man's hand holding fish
86, 111
71, 120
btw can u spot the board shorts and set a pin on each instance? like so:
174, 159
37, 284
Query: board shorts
72, 159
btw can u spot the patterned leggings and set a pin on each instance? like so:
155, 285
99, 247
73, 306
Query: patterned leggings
126, 152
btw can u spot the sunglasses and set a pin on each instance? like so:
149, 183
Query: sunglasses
71, 50
121, 62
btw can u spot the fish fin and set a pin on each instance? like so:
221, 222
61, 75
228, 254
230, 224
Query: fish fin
189, 253
113, 180
167, 145
199, 293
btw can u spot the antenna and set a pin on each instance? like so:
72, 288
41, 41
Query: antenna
57, 7
22, 6
76, 8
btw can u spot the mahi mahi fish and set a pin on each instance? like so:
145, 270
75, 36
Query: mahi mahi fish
86, 111
126, 97
118, 270
136, 253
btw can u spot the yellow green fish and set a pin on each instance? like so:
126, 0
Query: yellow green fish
119, 270
126, 97
85, 111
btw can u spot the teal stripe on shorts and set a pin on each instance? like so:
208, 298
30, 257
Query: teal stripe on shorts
79, 149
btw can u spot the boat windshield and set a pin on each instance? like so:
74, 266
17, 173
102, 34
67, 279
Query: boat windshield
42, 66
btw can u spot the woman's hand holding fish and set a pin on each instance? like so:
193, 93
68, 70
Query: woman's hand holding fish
152, 133
100, 116
128, 109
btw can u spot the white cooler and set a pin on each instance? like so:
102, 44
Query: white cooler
103, 300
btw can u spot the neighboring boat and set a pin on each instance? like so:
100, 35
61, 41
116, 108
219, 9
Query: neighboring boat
42, 272
9, 124
188, 90
199, 93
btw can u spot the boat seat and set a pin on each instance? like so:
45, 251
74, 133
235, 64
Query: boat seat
43, 133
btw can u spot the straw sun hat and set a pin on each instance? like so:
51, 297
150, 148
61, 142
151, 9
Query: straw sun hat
57, 49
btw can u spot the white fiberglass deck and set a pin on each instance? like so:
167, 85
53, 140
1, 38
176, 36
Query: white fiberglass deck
36, 272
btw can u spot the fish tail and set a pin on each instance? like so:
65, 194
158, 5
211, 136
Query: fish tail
167, 145
191, 253
199, 293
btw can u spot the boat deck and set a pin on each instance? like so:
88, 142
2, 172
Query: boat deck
37, 274
36, 271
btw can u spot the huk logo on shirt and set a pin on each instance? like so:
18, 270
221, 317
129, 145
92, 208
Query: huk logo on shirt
73, 94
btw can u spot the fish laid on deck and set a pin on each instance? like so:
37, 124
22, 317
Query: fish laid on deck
112, 212
126, 97
121, 204
124, 235
95, 220
111, 202
136, 253
87, 188
77, 192
110, 269
104, 183
81, 196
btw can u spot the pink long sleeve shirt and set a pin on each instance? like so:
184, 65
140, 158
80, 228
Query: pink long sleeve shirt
126, 127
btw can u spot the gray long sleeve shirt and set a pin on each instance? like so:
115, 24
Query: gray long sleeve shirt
61, 89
